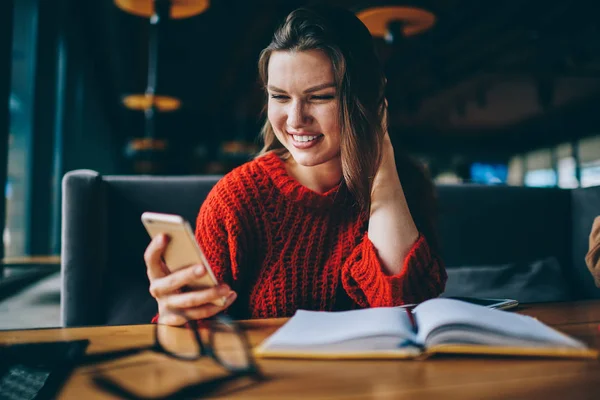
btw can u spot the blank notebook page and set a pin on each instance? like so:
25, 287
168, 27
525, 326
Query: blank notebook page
435, 313
321, 327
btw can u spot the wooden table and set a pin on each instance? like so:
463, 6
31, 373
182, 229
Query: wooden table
446, 377
29, 260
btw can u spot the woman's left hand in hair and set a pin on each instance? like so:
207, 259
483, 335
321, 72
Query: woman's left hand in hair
391, 227
387, 174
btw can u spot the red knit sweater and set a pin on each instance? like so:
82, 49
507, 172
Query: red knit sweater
283, 247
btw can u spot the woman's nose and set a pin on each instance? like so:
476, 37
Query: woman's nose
297, 115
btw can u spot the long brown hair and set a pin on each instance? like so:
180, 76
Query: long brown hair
360, 84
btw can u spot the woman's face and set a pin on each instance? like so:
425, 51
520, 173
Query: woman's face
303, 106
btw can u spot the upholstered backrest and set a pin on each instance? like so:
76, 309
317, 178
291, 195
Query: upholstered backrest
103, 273
493, 236
516, 242
499, 224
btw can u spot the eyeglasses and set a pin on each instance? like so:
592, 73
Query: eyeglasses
218, 337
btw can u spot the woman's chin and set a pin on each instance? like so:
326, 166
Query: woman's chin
304, 159
309, 160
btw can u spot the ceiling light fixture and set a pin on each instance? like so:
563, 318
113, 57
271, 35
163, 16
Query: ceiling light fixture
143, 102
179, 8
391, 21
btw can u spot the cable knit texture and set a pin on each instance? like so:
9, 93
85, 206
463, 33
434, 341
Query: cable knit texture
283, 247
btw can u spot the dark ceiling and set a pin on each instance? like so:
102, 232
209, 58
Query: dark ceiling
509, 69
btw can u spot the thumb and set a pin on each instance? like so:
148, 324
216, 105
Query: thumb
155, 266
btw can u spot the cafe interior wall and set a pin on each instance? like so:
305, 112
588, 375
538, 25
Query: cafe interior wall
478, 68
506, 81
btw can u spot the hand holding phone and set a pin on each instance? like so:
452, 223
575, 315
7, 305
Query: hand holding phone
175, 262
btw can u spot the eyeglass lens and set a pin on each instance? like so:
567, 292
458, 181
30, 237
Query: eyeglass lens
229, 347
179, 341
226, 342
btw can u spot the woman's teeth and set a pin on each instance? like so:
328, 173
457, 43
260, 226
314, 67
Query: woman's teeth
304, 138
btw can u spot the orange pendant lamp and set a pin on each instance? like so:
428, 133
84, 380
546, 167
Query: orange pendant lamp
179, 8
148, 153
413, 20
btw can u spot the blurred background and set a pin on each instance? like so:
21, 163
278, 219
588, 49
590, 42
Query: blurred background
487, 92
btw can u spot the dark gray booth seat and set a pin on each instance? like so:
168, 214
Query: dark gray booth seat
521, 242
103, 274
516, 242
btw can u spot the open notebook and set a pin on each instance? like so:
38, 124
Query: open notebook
438, 326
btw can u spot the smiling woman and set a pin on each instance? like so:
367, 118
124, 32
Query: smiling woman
326, 217
303, 109
335, 48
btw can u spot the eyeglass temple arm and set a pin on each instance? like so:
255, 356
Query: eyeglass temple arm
194, 390
111, 355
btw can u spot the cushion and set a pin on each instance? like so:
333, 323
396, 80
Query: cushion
537, 281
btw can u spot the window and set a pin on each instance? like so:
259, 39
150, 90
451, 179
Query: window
540, 178
516, 171
566, 166
567, 178
539, 169
589, 156
489, 174
21, 117
590, 174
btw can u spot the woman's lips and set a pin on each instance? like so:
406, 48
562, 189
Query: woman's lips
305, 144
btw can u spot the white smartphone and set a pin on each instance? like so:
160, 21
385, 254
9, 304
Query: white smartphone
500, 304
182, 250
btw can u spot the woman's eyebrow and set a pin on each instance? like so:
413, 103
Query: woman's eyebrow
275, 89
309, 90
320, 87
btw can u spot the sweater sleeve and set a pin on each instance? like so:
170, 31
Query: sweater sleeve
217, 234
423, 276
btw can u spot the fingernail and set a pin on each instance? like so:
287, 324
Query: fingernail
231, 297
164, 239
224, 290
199, 270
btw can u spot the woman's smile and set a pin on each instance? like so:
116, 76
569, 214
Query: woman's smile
305, 141
303, 107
